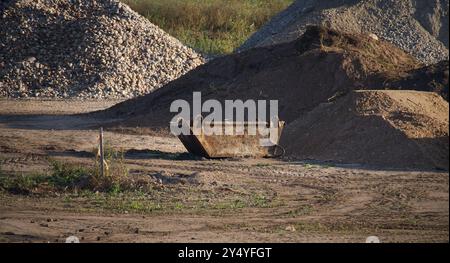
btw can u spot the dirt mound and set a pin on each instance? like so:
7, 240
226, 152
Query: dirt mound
320, 65
418, 26
397, 129
85, 48
429, 78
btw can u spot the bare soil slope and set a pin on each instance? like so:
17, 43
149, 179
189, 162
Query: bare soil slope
398, 129
429, 78
301, 74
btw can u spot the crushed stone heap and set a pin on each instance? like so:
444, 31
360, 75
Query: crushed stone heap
419, 27
86, 49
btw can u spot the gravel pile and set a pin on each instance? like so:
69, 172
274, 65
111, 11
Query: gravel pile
417, 26
85, 49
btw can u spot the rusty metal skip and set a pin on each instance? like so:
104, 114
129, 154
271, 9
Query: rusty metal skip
229, 146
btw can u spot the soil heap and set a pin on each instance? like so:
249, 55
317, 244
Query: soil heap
315, 79
393, 129
429, 78
319, 66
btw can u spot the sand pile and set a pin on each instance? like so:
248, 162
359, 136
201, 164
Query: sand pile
85, 48
321, 65
397, 129
417, 26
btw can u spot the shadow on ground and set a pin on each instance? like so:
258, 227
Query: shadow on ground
50, 122
156, 154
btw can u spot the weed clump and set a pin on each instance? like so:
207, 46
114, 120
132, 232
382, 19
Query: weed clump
63, 176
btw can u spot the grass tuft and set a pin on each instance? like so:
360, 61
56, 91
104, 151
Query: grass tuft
63, 177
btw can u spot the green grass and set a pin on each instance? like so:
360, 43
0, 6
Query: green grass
300, 211
209, 26
21, 184
68, 176
62, 177
160, 201
262, 165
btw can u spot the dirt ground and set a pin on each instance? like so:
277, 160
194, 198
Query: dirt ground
197, 200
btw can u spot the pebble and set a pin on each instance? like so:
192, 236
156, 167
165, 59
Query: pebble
291, 228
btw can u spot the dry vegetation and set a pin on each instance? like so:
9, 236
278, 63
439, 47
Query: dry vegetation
213, 26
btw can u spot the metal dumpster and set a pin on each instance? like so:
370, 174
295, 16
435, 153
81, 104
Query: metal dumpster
228, 146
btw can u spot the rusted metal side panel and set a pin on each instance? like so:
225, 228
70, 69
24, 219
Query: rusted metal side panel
226, 146
192, 144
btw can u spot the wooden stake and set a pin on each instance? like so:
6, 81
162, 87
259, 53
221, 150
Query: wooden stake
102, 157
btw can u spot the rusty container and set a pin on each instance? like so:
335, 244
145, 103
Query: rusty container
229, 146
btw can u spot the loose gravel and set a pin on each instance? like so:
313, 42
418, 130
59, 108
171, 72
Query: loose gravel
419, 27
85, 49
